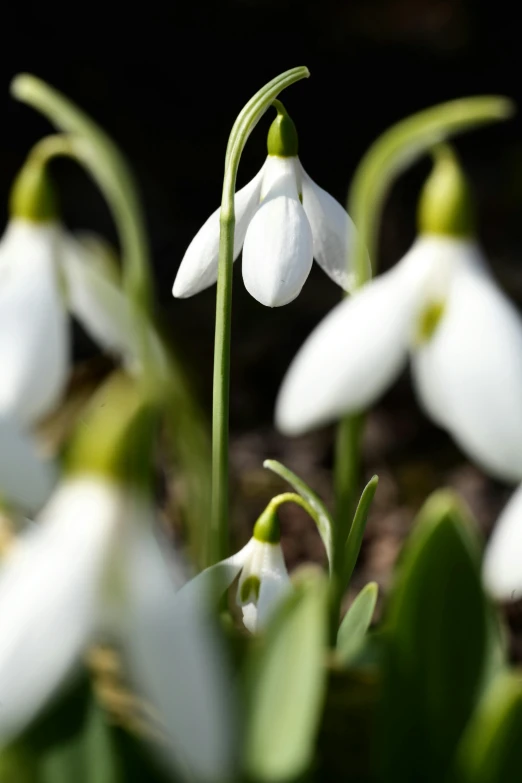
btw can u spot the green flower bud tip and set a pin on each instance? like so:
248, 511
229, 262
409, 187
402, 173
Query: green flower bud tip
32, 195
446, 203
116, 437
267, 529
282, 138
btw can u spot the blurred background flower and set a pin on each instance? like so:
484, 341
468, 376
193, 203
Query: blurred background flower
168, 82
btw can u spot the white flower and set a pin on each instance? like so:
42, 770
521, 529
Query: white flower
92, 558
502, 567
44, 271
283, 221
26, 477
263, 580
441, 306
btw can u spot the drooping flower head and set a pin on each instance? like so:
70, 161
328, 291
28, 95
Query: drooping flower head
283, 221
441, 305
94, 566
260, 564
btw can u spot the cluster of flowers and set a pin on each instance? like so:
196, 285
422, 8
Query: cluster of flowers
93, 561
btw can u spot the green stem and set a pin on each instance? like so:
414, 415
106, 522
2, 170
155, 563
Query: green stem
243, 126
392, 153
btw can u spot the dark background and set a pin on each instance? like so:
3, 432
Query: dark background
167, 80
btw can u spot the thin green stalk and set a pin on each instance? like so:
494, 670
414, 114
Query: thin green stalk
397, 148
243, 126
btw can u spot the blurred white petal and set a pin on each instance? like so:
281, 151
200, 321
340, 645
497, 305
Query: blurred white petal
26, 479
332, 230
469, 374
97, 301
278, 249
199, 266
34, 336
49, 591
502, 569
177, 659
356, 351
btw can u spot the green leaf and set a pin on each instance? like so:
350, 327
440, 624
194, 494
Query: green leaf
321, 515
399, 147
435, 647
285, 681
490, 751
355, 536
356, 622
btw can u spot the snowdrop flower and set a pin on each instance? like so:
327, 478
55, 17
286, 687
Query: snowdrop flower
44, 272
263, 579
92, 565
502, 569
283, 221
441, 306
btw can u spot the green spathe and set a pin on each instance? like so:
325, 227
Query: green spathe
446, 203
282, 138
115, 439
32, 195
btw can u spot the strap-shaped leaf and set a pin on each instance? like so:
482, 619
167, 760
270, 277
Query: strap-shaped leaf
321, 515
356, 623
491, 748
436, 640
285, 681
355, 536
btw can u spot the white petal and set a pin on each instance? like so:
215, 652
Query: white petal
470, 372
49, 590
199, 266
502, 570
97, 300
176, 657
355, 353
34, 335
278, 249
26, 479
274, 586
333, 232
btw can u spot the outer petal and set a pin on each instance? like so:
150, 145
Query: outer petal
49, 589
177, 658
34, 338
199, 266
26, 480
502, 568
97, 300
332, 230
278, 251
355, 352
275, 584
470, 372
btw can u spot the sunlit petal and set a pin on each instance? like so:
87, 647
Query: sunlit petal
199, 266
178, 661
332, 230
34, 336
470, 372
503, 559
355, 353
274, 585
278, 249
49, 591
